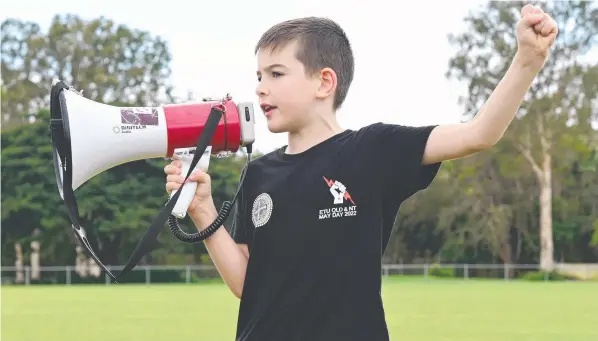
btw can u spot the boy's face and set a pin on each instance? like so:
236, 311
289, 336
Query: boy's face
286, 94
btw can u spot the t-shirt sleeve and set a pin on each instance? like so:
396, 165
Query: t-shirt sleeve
399, 152
241, 230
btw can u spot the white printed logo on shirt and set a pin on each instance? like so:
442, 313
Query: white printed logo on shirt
340, 196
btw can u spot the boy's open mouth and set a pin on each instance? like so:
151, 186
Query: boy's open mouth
267, 108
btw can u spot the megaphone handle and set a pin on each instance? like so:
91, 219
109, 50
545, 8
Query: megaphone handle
188, 189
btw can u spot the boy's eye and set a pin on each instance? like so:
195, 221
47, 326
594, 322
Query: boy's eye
274, 75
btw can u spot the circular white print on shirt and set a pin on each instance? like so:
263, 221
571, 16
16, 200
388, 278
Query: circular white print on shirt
262, 209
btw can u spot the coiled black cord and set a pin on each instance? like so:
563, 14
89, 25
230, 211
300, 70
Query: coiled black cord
225, 210
203, 234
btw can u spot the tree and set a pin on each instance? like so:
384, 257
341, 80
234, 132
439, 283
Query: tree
563, 95
111, 63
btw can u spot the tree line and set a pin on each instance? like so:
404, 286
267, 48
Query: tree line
532, 199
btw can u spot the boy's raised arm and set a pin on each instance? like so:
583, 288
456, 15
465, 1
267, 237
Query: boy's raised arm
536, 32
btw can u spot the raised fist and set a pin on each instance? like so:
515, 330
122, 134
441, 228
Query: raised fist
338, 192
536, 33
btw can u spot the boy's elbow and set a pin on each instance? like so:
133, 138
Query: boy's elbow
481, 141
237, 293
237, 290
481, 136
482, 144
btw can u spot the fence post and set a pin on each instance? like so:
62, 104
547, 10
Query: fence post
147, 275
68, 275
426, 271
466, 271
506, 271
27, 276
187, 274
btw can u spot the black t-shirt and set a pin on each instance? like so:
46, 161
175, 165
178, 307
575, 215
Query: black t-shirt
317, 224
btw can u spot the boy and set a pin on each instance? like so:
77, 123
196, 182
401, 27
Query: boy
314, 217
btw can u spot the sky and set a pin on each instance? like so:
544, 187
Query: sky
401, 56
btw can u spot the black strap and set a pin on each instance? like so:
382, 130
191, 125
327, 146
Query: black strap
151, 234
61, 146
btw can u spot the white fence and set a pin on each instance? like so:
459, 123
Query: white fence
149, 274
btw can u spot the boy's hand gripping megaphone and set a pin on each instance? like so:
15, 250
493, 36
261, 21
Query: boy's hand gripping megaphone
89, 138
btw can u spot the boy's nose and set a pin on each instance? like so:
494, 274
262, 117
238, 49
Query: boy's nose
260, 90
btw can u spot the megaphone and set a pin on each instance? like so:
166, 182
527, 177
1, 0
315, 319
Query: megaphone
89, 138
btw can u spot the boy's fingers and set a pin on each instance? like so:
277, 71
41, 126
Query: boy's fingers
549, 27
533, 19
199, 176
172, 169
527, 9
194, 176
174, 178
169, 169
171, 186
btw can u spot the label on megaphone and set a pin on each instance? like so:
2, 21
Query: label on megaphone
185, 155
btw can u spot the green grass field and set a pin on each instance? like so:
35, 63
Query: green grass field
417, 310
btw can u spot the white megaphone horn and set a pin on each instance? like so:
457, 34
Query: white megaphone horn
90, 137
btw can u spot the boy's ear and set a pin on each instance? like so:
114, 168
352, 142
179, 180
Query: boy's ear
327, 84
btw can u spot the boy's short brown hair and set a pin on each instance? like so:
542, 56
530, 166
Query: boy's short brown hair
321, 43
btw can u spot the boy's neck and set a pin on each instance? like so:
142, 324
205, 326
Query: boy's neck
313, 134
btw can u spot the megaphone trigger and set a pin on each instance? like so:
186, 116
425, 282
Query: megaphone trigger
191, 132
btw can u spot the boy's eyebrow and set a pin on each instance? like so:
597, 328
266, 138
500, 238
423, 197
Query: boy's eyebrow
270, 67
